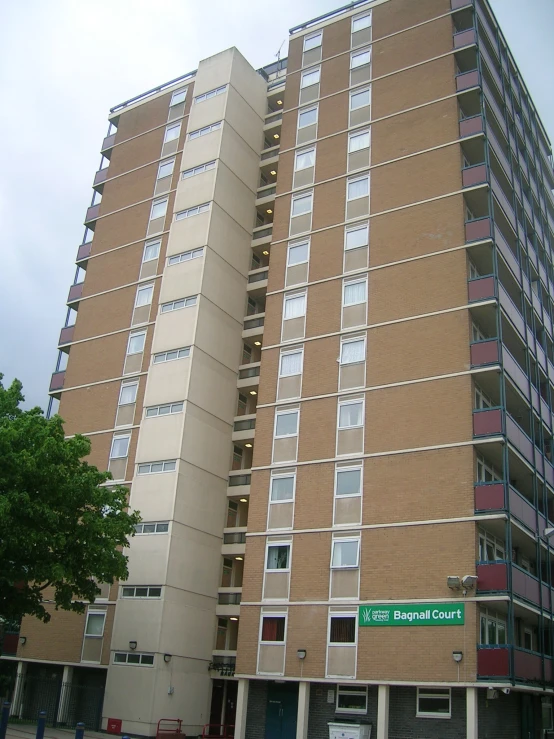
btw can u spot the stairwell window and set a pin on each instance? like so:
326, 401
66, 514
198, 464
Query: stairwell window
186, 256
156, 467
171, 355
178, 304
133, 658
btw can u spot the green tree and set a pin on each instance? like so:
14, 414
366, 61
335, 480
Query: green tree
60, 527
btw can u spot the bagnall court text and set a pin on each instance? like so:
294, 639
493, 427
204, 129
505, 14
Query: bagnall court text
420, 614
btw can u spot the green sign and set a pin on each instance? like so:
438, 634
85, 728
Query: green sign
412, 614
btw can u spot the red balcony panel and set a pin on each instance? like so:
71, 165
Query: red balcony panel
492, 576
10, 644
522, 510
519, 439
83, 252
474, 175
464, 38
471, 126
493, 662
467, 80
527, 666
489, 497
92, 213
525, 585
455, 4
512, 311
478, 229
487, 422
100, 177
56, 383
66, 334
484, 352
548, 670
517, 375
481, 289
75, 292
108, 142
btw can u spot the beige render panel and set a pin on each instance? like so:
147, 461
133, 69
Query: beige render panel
351, 376
249, 84
354, 315
240, 158
271, 659
149, 269
154, 495
300, 224
348, 510
341, 661
160, 437
293, 328
163, 185
195, 190
200, 502
203, 149
189, 233
206, 442
304, 177
181, 280
350, 441
207, 111
155, 226
170, 147
92, 650
213, 386
358, 159
125, 414
289, 387
214, 71
218, 334
148, 558
280, 516
201, 578
234, 197
228, 240
247, 123
175, 330
360, 74
356, 258
345, 584
276, 585
168, 381
360, 115
357, 208
307, 94
285, 450
141, 314
138, 619
307, 133
361, 37
297, 274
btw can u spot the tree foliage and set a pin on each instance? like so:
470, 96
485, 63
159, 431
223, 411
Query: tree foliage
61, 528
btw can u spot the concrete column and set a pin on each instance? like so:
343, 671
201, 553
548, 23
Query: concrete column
67, 678
303, 710
472, 714
242, 707
17, 702
383, 712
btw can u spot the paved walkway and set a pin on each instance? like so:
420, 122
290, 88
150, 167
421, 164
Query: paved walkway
28, 731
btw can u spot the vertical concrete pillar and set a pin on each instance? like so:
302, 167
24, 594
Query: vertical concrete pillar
63, 707
17, 702
303, 710
472, 714
383, 712
242, 707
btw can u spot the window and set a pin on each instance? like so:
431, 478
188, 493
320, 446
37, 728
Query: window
282, 488
433, 702
356, 237
342, 630
348, 481
307, 117
151, 251
295, 306
352, 351
486, 472
95, 623
477, 334
360, 58
313, 41
136, 343
351, 414
141, 592
360, 22
186, 256
491, 549
164, 410
302, 204
197, 170
351, 698
154, 467
481, 400
192, 211
128, 393
345, 553
166, 168
178, 304
120, 447
273, 629
278, 557
310, 77
144, 296
204, 131
298, 253
286, 423
357, 188
546, 711
354, 293
210, 94
156, 527
360, 98
133, 658
291, 363
358, 141
172, 133
179, 96
159, 208
171, 355
528, 641
304, 159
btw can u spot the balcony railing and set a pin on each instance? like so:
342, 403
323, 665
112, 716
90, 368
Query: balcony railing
476, 174
75, 292
466, 80
248, 425
253, 323
262, 232
238, 480
83, 252
92, 213
456, 4
491, 496
487, 421
249, 371
465, 38
57, 381
66, 335
258, 276
481, 288
471, 126
272, 117
236, 538
108, 143
100, 177
494, 662
229, 599
484, 352
478, 229
270, 152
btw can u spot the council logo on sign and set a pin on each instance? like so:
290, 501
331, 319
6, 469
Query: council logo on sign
412, 614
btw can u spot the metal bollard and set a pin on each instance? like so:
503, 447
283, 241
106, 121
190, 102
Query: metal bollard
79, 730
41, 724
4, 719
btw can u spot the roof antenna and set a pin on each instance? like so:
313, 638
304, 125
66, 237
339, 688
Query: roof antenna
278, 55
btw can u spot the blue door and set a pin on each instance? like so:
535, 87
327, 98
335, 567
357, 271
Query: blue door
282, 707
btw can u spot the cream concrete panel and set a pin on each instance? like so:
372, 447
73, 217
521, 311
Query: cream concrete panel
181, 280
195, 190
348, 510
352, 375
360, 74
244, 120
230, 241
358, 159
214, 71
280, 516
219, 335
201, 503
174, 329
207, 111
189, 233
148, 559
341, 661
344, 583
206, 442
297, 274
194, 566
276, 585
163, 185
129, 695
356, 258
170, 147
361, 37
141, 314
354, 315
357, 208
168, 381
160, 437
241, 158
360, 115
304, 177
312, 56
213, 386
92, 649
149, 269
307, 94
154, 495
155, 226
350, 441
285, 450
138, 619
232, 195
293, 328
133, 363
125, 415
300, 224
223, 285
249, 84
306, 133
176, 111
203, 149
191, 683
271, 659
289, 387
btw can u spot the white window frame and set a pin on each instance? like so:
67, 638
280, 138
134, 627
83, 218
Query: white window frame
288, 297
125, 386
294, 245
352, 340
173, 408
177, 94
134, 588
273, 614
172, 127
194, 211
481, 400
308, 110
358, 134
204, 131
477, 334
284, 475
140, 655
166, 467
287, 413
179, 304
362, 16
306, 73
157, 243
132, 336
343, 403
120, 437
301, 196
95, 613
353, 180
342, 614
318, 35
185, 256
349, 283
149, 290
352, 229
289, 353
492, 618
302, 152
349, 468
438, 695
162, 357
359, 53
345, 540
352, 690
139, 528
483, 467
193, 171
273, 544
155, 203
355, 93
210, 94
165, 163
486, 539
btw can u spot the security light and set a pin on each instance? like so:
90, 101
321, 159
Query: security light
132, 645
301, 653
453, 582
469, 581
457, 656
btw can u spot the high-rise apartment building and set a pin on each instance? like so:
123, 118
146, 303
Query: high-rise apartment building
311, 330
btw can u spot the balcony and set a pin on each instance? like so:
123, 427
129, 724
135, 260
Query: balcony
254, 326
234, 541
262, 235
478, 229
99, 178
471, 126
465, 38
83, 252
457, 4
107, 145
484, 352
228, 602
495, 577
467, 80
57, 382
519, 439
257, 282
244, 428
92, 214
503, 201
488, 422
66, 335
493, 661
249, 377
239, 483
270, 155
491, 496
474, 175
75, 292
481, 288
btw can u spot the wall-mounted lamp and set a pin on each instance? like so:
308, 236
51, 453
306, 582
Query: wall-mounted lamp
22, 640
132, 645
469, 582
301, 653
453, 582
457, 656
239, 559
167, 657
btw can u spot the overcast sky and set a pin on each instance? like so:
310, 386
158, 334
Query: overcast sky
64, 63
